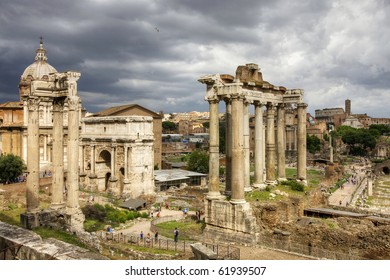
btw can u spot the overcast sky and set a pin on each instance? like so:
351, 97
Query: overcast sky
153, 52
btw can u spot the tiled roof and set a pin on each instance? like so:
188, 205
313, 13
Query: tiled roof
12, 104
112, 111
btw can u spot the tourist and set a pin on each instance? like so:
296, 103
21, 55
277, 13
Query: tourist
148, 238
141, 235
176, 234
156, 236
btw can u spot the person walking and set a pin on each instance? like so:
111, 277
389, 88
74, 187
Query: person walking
176, 234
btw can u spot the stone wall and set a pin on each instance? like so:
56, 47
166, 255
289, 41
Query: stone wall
229, 222
19, 243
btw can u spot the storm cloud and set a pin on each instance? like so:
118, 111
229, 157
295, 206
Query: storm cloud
153, 52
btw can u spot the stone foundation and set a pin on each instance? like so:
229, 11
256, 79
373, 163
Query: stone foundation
229, 222
22, 244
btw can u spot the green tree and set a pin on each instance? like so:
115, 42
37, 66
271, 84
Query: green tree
169, 127
313, 144
198, 161
360, 140
382, 128
11, 167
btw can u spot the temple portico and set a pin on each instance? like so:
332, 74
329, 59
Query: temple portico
239, 93
59, 89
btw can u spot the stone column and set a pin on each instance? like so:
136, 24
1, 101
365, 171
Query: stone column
82, 159
113, 158
32, 196
301, 143
45, 147
270, 145
126, 148
73, 152
295, 143
25, 150
214, 151
281, 143
238, 180
58, 155
247, 155
228, 145
93, 156
259, 151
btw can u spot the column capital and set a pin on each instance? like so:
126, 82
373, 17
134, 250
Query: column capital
247, 102
227, 99
281, 105
302, 105
33, 103
270, 106
73, 103
237, 95
213, 100
258, 103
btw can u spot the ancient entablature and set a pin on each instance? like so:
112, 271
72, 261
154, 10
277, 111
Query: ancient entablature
239, 92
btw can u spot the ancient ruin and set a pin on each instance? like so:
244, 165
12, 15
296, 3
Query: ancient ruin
233, 219
117, 155
60, 89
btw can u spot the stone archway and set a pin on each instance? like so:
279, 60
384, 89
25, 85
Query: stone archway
383, 168
105, 157
103, 169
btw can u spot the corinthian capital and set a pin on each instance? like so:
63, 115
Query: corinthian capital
73, 103
33, 103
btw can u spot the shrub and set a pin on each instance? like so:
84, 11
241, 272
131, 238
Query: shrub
296, 186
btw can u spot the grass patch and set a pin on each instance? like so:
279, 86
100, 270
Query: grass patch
263, 195
330, 224
12, 216
187, 229
60, 235
96, 216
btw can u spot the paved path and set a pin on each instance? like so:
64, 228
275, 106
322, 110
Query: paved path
144, 226
343, 195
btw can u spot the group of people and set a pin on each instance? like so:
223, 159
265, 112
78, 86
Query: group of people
148, 237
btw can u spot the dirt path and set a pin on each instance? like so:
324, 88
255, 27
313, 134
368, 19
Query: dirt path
254, 253
343, 195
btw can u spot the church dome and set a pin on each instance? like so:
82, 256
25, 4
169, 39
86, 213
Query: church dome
40, 68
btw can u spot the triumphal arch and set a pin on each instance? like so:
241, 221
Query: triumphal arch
60, 89
232, 219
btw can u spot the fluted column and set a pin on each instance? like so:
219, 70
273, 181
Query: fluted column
281, 128
238, 179
301, 145
73, 152
32, 196
58, 155
247, 155
270, 145
259, 151
214, 151
228, 145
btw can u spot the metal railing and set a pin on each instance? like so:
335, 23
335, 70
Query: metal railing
306, 249
222, 251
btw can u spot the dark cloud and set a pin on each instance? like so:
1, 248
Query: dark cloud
153, 52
